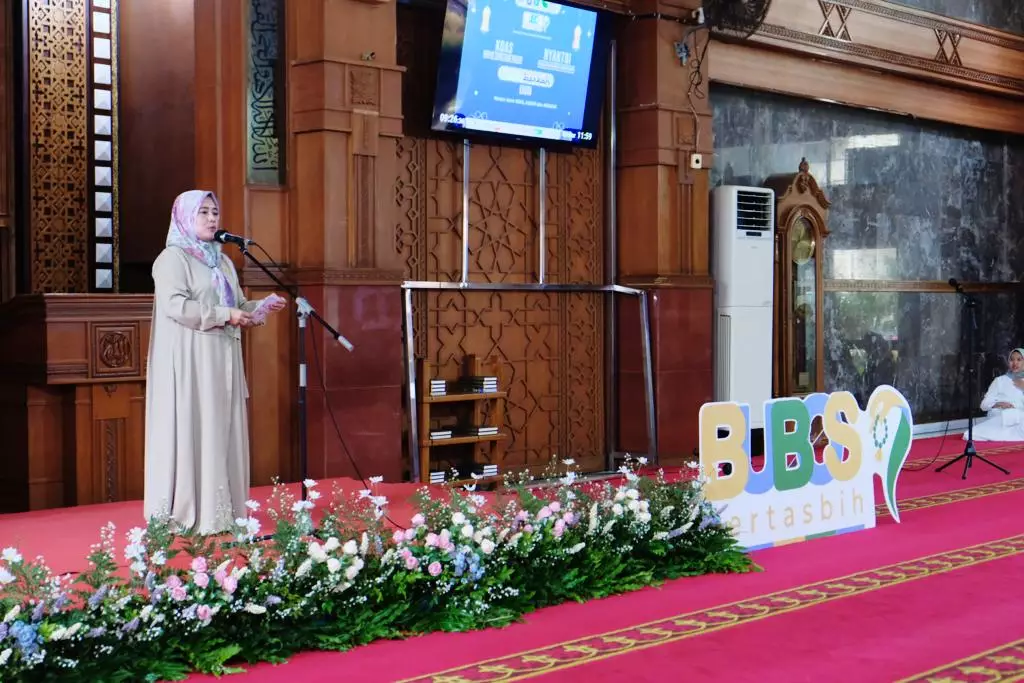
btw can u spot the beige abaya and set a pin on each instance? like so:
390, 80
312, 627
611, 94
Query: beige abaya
197, 441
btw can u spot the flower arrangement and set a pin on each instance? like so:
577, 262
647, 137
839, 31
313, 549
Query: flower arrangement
193, 603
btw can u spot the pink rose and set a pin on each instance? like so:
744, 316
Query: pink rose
522, 516
411, 563
199, 564
173, 581
398, 536
569, 518
434, 569
544, 512
418, 520
433, 540
410, 534
202, 580
204, 613
178, 593
220, 576
528, 528
559, 529
230, 584
555, 506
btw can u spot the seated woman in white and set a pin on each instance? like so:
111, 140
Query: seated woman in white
1004, 403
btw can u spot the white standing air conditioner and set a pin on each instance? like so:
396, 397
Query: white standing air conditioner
743, 258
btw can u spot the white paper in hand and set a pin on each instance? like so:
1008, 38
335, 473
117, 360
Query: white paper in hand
259, 315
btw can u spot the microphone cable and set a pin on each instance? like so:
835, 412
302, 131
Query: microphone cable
323, 387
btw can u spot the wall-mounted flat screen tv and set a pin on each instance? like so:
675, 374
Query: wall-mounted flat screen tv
525, 70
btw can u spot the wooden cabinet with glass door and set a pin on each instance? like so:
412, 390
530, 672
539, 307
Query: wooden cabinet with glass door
801, 228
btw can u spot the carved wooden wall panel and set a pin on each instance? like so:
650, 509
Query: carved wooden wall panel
58, 157
7, 243
552, 344
886, 56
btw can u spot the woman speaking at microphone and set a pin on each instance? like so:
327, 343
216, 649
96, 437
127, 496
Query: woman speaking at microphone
197, 438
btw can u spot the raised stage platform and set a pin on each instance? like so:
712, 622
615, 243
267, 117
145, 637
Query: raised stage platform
933, 597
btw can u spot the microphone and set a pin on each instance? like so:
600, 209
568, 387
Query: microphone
225, 237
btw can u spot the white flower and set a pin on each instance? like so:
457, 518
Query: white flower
568, 479
4, 656
458, 519
58, 633
632, 494
255, 609
643, 517
309, 483
313, 495
352, 572
301, 505
139, 568
376, 480
250, 525
252, 505
365, 493
159, 558
12, 614
5, 577
661, 536
146, 611
334, 565
364, 544
11, 555
332, 544
666, 512
467, 531
568, 461
642, 460
316, 551
617, 509
633, 505
136, 534
304, 568
575, 549
478, 500
693, 465
350, 547
487, 546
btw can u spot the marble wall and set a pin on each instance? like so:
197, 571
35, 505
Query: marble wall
1007, 15
911, 201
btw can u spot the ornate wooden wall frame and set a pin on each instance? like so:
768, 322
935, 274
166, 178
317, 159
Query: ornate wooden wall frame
797, 198
888, 56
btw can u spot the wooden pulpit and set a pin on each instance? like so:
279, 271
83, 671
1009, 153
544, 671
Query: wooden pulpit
72, 399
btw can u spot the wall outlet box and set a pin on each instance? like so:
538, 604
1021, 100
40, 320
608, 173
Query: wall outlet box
696, 161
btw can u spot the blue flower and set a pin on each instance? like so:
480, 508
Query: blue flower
39, 612
27, 636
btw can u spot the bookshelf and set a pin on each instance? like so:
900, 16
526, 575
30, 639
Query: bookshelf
466, 410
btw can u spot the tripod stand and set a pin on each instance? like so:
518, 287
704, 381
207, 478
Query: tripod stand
304, 312
970, 454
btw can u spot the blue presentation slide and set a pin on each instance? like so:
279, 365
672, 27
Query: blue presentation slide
526, 65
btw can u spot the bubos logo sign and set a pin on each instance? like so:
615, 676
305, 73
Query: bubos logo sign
795, 494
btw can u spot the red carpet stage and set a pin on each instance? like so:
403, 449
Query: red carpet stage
935, 598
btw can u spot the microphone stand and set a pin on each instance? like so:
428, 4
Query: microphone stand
304, 312
970, 454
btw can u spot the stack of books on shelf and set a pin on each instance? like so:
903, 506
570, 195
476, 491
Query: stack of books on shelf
481, 431
437, 477
481, 385
438, 387
489, 471
439, 434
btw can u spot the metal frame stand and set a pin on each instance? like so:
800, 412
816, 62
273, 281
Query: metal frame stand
970, 454
610, 287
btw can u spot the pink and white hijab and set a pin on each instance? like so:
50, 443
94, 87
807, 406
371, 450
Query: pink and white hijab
182, 234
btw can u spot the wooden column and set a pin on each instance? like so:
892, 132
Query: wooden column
345, 106
664, 119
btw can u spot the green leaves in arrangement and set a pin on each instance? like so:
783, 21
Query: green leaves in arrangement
192, 603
